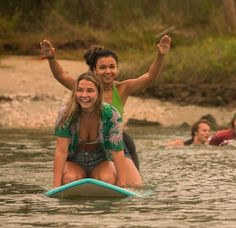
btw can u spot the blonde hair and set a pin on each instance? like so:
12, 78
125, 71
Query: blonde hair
73, 108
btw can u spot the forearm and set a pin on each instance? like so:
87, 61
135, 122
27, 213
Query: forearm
119, 162
155, 68
162, 49
59, 74
134, 86
59, 165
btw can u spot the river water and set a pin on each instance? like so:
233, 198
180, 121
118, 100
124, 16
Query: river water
184, 187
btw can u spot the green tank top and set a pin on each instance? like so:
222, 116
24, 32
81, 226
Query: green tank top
116, 100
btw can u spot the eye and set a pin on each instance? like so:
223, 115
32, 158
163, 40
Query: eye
90, 90
112, 66
102, 67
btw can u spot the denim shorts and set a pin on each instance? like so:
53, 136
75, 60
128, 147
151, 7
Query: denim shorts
88, 160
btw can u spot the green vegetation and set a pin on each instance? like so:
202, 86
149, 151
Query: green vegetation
209, 61
203, 44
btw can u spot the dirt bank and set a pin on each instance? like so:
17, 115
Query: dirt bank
30, 97
203, 95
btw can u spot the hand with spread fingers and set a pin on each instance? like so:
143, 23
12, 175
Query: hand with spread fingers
163, 46
47, 50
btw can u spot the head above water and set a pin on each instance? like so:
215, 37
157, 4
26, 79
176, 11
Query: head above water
196, 125
96, 52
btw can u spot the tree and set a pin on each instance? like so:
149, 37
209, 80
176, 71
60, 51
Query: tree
230, 17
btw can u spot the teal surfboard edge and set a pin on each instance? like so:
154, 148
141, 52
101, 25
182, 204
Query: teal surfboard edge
123, 191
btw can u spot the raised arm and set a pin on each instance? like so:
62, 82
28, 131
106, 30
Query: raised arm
48, 52
138, 84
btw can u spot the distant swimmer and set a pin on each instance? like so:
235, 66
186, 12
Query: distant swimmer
224, 137
200, 135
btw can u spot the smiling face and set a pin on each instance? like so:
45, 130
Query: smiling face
87, 95
106, 69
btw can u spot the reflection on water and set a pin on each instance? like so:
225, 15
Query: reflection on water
191, 186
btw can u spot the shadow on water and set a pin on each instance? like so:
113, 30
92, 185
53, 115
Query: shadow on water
191, 186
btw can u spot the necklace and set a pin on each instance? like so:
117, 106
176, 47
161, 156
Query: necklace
107, 95
107, 91
107, 88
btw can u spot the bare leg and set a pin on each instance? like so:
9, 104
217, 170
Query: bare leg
105, 171
72, 172
133, 178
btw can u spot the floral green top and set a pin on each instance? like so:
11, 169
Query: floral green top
110, 130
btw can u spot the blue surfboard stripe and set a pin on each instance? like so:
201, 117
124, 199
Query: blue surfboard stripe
123, 191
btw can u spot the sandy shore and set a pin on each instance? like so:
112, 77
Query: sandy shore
30, 97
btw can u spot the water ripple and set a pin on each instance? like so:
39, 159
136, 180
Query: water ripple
185, 187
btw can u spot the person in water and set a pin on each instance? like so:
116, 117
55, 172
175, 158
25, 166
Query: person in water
200, 135
104, 63
223, 137
89, 137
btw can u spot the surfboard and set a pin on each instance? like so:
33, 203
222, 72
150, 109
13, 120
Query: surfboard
89, 187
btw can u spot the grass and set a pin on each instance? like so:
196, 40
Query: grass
208, 61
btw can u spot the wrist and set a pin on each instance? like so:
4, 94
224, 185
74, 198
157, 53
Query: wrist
159, 54
51, 58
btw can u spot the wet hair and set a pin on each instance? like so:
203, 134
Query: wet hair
95, 52
195, 126
73, 107
232, 121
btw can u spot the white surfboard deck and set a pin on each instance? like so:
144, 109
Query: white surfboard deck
89, 187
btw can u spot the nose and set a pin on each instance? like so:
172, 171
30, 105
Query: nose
84, 94
107, 70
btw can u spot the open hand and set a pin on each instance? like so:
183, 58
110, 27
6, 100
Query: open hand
47, 50
163, 46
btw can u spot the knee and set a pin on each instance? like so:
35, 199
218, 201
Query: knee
70, 177
106, 177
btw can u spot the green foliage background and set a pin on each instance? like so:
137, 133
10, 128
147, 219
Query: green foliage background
203, 48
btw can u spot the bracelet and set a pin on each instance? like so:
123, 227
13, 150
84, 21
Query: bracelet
52, 58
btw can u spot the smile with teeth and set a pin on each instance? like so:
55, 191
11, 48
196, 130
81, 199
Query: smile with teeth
107, 77
85, 100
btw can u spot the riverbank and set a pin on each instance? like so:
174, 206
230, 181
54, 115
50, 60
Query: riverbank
30, 98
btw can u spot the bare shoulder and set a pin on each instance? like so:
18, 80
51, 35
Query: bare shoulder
121, 86
125, 84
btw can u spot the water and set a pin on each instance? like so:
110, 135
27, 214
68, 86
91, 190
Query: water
190, 187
